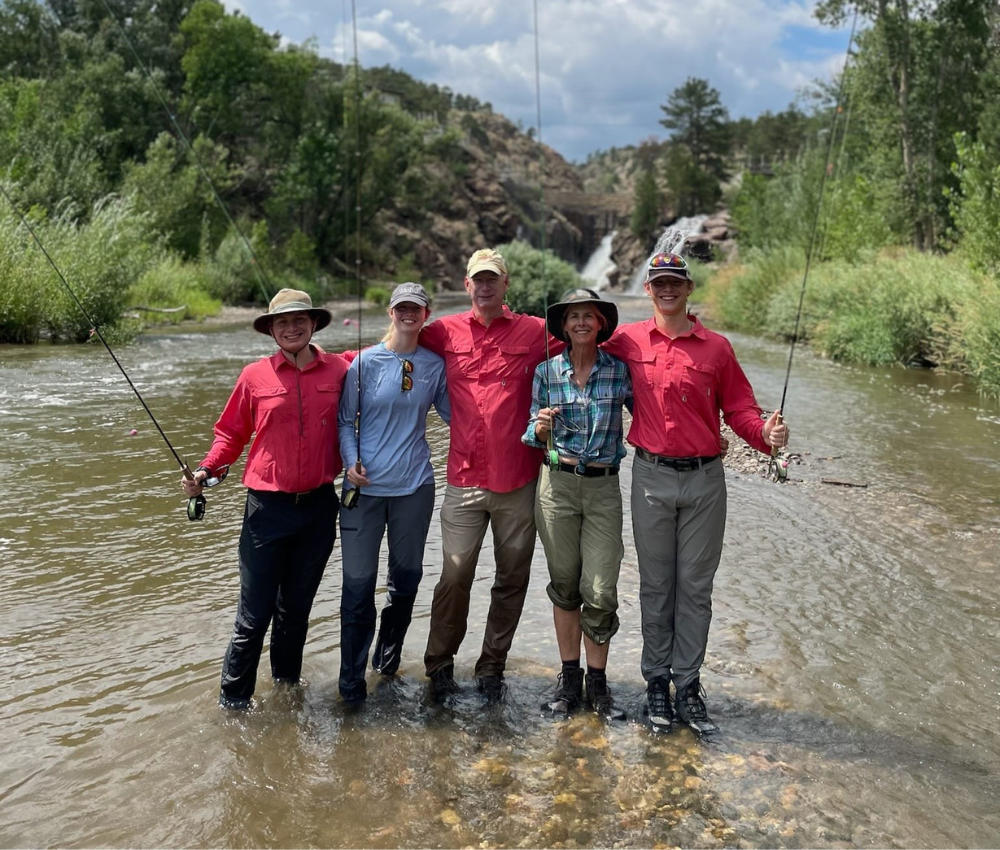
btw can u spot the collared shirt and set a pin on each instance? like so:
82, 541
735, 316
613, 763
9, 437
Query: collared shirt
589, 423
681, 385
291, 415
393, 423
489, 371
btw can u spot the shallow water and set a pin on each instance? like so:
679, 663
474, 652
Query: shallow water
853, 659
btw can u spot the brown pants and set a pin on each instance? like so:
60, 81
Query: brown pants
465, 514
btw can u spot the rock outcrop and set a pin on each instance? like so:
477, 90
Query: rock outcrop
499, 185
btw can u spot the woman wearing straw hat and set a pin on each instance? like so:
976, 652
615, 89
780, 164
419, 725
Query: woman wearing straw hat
287, 404
389, 470
576, 412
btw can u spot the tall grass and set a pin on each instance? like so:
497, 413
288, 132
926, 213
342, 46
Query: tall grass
894, 307
99, 259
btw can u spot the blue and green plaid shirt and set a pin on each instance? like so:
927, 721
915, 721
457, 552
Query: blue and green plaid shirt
588, 425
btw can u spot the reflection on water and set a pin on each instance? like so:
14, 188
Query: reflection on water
852, 662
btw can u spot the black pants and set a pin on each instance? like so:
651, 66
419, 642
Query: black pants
284, 546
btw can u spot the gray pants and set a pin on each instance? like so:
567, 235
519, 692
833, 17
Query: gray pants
678, 521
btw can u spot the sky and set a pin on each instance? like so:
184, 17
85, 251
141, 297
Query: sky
605, 66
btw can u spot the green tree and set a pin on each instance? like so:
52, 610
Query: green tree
915, 82
698, 121
690, 188
646, 205
696, 159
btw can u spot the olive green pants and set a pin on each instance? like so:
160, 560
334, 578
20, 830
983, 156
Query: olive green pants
580, 525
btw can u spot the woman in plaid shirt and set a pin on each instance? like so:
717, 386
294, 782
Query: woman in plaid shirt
576, 413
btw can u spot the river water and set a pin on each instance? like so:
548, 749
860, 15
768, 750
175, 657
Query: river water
853, 659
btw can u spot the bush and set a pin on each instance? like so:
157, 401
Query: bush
230, 271
100, 261
537, 278
170, 284
377, 295
746, 305
897, 307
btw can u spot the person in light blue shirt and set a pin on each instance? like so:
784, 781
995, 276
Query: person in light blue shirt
389, 486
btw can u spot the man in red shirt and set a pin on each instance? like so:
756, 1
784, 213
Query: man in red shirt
288, 404
490, 356
683, 376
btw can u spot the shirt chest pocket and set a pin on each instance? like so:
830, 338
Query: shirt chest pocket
328, 398
463, 360
643, 367
513, 364
698, 381
274, 404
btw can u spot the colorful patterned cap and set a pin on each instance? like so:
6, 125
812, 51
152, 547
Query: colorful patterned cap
486, 260
667, 264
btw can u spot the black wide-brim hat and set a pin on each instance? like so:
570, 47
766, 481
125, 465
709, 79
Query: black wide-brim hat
575, 297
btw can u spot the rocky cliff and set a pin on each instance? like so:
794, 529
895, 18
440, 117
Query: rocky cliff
498, 185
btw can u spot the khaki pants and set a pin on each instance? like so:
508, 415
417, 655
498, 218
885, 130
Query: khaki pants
580, 524
678, 520
465, 514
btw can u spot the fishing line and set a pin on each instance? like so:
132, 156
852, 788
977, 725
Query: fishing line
812, 236
351, 496
196, 505
552, 456
266, 287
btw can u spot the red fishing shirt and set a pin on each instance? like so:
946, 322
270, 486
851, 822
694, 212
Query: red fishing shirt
293, 414
490, 370
681, 385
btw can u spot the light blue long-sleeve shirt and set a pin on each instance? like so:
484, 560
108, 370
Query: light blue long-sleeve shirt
394, 449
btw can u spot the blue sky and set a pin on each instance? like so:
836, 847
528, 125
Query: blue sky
606, 65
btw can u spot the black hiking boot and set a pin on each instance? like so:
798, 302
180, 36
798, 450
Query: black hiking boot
385, 658
568, 690
394, 622
492, 687
690, 709
443, 683
661, 716
599, 698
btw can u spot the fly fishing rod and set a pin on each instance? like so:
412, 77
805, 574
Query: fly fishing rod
778, 471
196, 504
351, 496
551, 454
266, 287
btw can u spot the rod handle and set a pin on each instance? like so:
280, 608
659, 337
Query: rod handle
776, 449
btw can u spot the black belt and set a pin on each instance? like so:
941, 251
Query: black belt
681, 464
294, 498
587, 471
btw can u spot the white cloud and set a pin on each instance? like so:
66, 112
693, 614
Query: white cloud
606, 65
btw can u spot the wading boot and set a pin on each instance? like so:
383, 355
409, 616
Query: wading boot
690, 709
661, 716
568, 692
394, 622
443, 683
599, 698
492, 687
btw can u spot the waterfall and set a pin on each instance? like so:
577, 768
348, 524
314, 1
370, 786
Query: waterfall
599, 266
671, 240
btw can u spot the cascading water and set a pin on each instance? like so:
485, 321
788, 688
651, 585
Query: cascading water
600, 266
672, 239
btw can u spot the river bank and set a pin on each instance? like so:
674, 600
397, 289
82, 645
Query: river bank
896, 307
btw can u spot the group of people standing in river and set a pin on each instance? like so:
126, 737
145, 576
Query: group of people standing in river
535, 444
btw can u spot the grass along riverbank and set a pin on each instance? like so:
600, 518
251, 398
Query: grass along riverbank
898, 306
